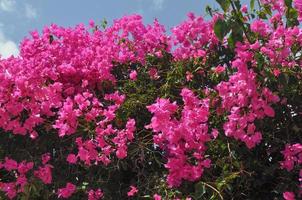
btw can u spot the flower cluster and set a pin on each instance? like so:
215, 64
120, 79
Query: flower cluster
73, 83
293, 157
182, 140
193, 37
298, 5
20, 171
245, 104
17, 170
275, 4
95, 194
44, 172
67, 191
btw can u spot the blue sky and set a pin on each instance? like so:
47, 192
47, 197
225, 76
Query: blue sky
18, 17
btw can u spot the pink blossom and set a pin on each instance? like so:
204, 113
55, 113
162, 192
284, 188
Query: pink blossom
275, 4
260, 27
276, 72
153, 73
10, 164
189, 76
62, 84
289, 196
45, 158
298, 6
21, 181
244, 9
24, 167
95, 194
133, 191
219, 69
67, 191
292, 157
44, 173
9, 189
121, 153
190, 36
133, 75
91, 23
12, 188
156, 197
181, 136
71, 158
215, 133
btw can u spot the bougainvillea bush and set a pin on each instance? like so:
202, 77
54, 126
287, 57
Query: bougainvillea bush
210, 110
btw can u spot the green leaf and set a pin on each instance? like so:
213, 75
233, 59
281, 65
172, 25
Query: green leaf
237, 4
252, 4
293, 13
104, 23
209, 11
292, 17
200, 190
288, 3
235, 36
262, 14
224, 4
231, 42
268, 10
221, 29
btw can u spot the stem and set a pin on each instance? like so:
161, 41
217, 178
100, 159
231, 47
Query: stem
259, 4
213, 188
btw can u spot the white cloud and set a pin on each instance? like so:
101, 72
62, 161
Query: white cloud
7, 47
158, 4
7, 5
30, 11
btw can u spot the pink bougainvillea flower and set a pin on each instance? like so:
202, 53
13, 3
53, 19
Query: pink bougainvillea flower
10, 164
219, 69
133, 191
215, 133
153, 73
298, 6
67, 191
289, 196
260, 27
276, 72
9, 189
24, 167
189, 76
71, 158
133, 75
244, 9
181, 136
95, 194
14, 187
44, 173
62, 76
45, 158
91, 23
156, 197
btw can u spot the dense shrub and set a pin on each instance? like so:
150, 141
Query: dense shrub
211, 111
